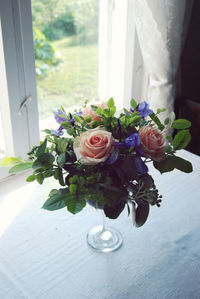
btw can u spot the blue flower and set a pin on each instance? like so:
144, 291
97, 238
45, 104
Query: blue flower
112, 157
132, 140
58, 132
60, 116
118, 123
119, 144
79, 113
144, 110
71, 119
140, 165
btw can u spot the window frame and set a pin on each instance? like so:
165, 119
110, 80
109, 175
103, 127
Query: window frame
121, 72
18, 81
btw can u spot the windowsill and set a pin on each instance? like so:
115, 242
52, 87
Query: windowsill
13, 182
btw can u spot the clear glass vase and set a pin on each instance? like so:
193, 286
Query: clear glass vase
103, 238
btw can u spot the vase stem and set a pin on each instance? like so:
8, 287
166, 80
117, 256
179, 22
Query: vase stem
104, 222
103, 238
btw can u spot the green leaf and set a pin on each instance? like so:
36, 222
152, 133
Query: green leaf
56, 173
94, 107
141, 213
133, 104
173, 116
44, 161
9, 161
62, 108
157, 121
182, 164
166, 121
136, 120
73, 188
112, 110
61, 160
165, 165
60, 177
99, 110
88, 118
78, 119
31, 178
48, 173
53, 192
123, 119
40, 178
114, 211
110, 103
20, 167
181, 124
62, 145
74, 205
65, 124
70, 131
55, 202
160, 110
47, 131
41, 149
74, 179
181, 139
126, 111
172, 162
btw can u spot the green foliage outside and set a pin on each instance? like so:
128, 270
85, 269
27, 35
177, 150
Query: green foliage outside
45, 58
60, 18
65, 42
72, 80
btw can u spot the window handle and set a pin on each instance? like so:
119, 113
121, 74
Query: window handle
23, 103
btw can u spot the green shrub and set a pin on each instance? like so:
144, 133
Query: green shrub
62, 26
45, 54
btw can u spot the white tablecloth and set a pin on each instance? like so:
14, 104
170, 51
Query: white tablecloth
45, 255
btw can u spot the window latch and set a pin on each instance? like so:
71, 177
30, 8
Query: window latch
23, 104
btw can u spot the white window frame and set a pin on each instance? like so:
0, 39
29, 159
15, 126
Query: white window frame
121, 72
18, 81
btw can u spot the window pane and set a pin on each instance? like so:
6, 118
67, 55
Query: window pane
66, 52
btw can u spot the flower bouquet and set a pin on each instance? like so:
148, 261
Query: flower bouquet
101, 159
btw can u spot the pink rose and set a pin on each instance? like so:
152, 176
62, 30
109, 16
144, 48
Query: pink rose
153, 143
90, 111
93, 146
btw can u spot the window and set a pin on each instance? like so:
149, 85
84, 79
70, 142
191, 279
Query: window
119, 73
20, 122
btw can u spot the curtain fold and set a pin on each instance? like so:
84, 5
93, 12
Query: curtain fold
161, 28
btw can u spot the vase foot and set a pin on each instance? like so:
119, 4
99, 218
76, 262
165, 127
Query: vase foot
104, 240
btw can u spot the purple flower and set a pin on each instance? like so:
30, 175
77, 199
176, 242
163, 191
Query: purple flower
118, 123
119, 144
112, 157
79, 113
132, 140
140, 165
144, 110
60, 116
58, 132
71, 119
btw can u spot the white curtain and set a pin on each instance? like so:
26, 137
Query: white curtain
161, 27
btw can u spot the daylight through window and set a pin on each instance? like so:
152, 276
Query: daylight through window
66, 54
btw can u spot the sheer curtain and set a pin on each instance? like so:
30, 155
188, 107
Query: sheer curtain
161, 27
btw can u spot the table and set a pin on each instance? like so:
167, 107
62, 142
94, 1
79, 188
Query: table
45, 255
